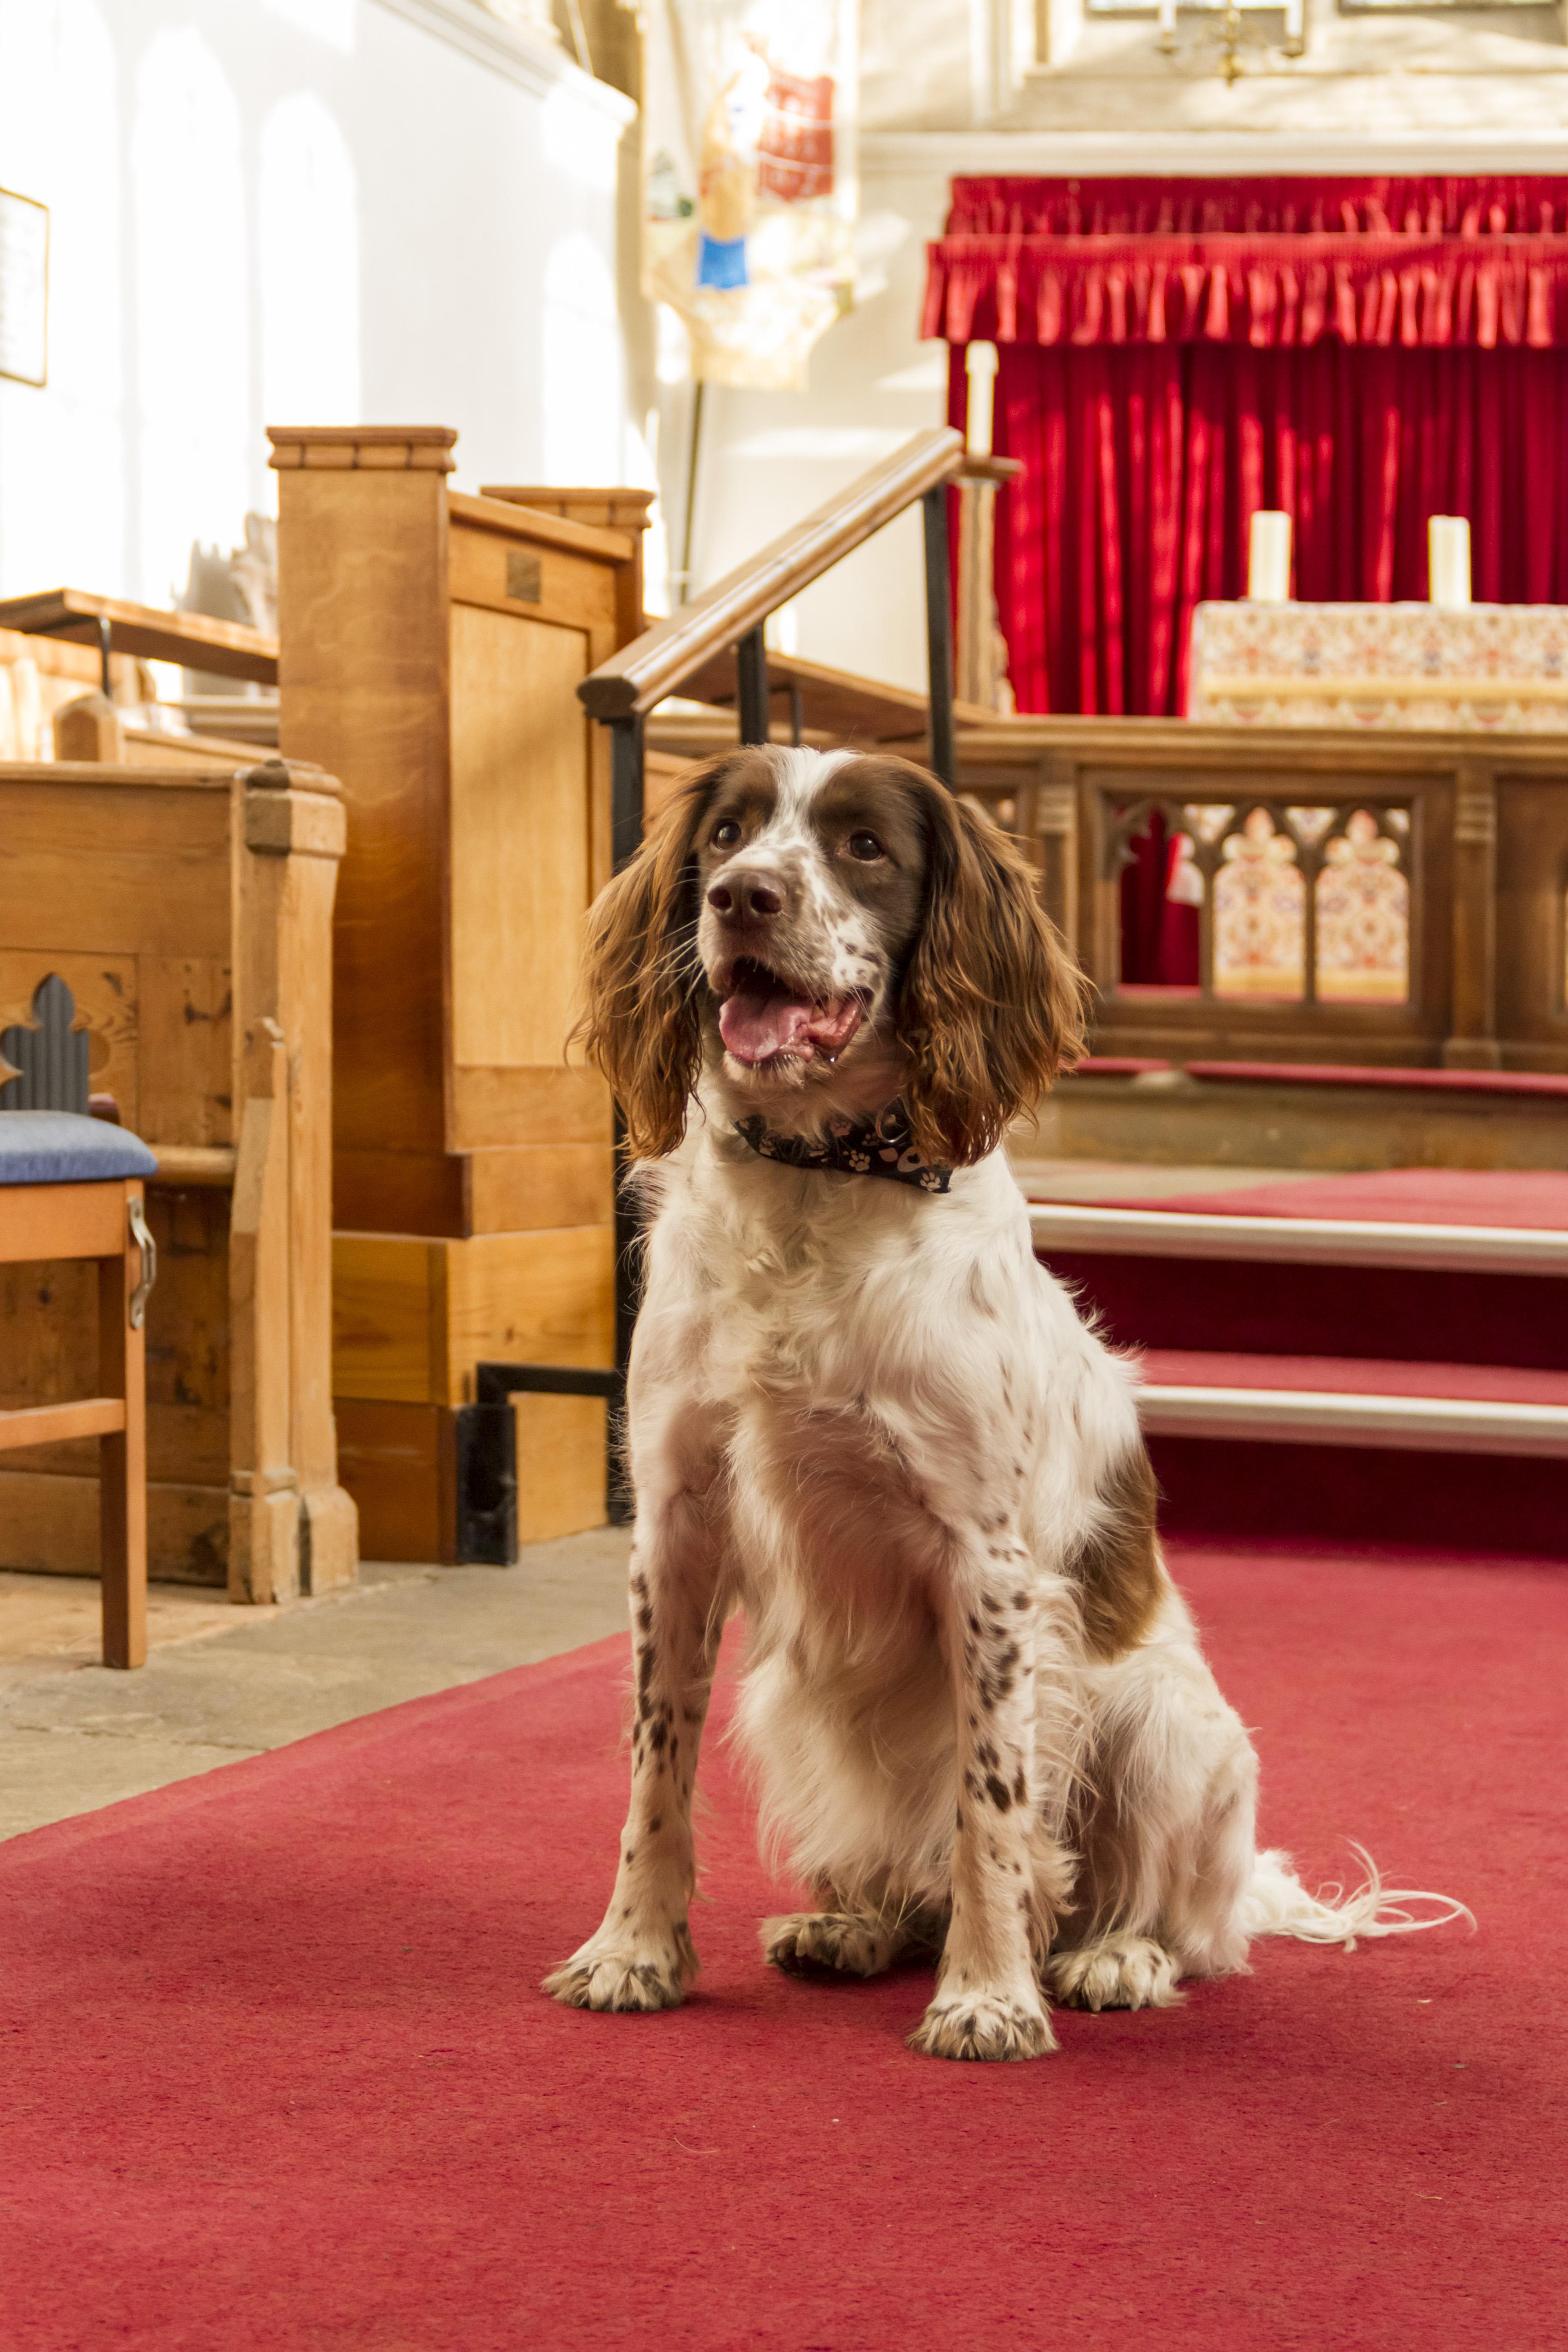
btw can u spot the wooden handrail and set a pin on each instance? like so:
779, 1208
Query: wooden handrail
659, 662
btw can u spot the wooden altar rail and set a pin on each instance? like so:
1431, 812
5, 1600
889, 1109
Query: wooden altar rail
190, 911
1484, 848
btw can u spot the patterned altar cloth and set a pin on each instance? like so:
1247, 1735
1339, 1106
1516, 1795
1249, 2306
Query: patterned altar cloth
1499, 668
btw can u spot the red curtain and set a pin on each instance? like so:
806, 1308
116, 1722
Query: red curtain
1160, 384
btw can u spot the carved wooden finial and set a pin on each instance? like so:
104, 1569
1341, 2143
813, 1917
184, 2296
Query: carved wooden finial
89, 729
49, 1056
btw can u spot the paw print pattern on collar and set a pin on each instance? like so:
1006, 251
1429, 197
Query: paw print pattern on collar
862, 1147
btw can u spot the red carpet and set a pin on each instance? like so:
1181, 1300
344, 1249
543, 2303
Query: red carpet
274, 2072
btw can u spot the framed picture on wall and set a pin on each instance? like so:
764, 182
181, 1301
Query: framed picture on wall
24, 288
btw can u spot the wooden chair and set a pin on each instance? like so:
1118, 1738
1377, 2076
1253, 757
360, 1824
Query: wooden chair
70, 1187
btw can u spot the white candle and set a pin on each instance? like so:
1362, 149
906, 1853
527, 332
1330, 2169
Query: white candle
1448, 560
1269, 558
1167, 23
980, 359
1293, 26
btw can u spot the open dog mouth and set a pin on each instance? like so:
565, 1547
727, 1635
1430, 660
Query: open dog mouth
765, 1017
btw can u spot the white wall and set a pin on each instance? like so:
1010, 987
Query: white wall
294, 212
769, 458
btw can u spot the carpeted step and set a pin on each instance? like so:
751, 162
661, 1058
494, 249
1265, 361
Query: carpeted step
1421, 1407
1303, 1268
1380, 1356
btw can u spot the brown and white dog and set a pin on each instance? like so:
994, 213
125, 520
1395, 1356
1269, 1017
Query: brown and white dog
861, 1411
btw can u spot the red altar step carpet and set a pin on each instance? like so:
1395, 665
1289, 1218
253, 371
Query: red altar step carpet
275, 2072
1391, 1330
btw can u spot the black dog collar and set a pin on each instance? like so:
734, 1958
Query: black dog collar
854, 1146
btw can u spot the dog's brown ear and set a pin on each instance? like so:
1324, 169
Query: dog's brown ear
642, 1026
992, 1004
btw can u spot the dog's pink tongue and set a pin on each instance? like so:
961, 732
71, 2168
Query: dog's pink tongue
756, 1023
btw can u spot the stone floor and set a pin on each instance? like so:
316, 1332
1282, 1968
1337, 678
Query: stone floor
222, 1681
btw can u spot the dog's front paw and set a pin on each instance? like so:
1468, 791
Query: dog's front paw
989, 2025
1118, 1972
627, 1972
809, 1943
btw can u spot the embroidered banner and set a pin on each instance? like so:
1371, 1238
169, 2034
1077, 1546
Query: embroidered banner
750, 189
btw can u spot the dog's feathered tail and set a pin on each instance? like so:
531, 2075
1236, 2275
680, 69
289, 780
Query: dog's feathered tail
1277, 1904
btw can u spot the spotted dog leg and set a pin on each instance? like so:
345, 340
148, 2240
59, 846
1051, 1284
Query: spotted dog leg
988, 2003
641, 1956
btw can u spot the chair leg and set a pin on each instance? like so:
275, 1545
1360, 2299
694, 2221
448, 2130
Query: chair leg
122, 1481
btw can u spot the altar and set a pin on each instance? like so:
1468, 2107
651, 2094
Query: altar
1499, 669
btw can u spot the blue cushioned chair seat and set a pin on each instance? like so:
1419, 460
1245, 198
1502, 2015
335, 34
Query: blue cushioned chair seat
62, 1147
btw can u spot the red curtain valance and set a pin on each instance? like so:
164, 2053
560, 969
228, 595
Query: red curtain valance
1282, 264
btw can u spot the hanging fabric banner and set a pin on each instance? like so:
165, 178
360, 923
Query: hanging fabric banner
750, 188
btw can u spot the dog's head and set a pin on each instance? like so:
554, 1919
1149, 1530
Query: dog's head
812, 925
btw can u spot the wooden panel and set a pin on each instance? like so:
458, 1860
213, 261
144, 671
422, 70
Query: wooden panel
388, 1318
400, 1191
541, 1185
560, 1465
505, 1106
412, 1317
150, 747
43, 1221
523, 576
522, 1298
48, 1337
394, 1459
512, 1189
663, 775
186, 1056
547, 525
106, 990
188, 1335
50, 1524
1181, 1025
363, 671
1533, 916
520, 838
115, 869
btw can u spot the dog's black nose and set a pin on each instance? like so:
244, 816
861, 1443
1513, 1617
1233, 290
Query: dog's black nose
746, 895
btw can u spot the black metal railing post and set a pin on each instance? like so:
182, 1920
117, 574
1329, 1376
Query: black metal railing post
939, 633
625, 789
751, 685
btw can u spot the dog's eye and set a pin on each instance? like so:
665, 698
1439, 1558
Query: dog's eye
727, 834
865, 845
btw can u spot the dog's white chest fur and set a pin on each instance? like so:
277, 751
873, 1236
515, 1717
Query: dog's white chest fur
857, 1376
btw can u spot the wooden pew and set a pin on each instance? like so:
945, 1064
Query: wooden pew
430, 647
38, 676
189, 910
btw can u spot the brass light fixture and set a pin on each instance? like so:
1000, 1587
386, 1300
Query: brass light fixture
1230, 32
